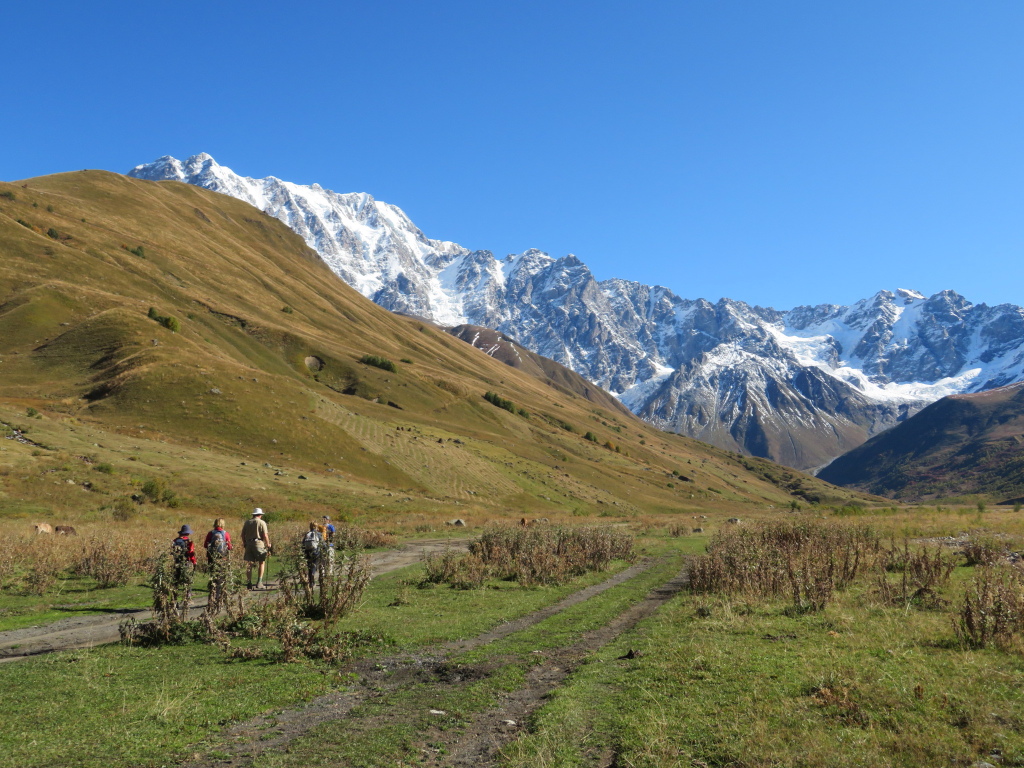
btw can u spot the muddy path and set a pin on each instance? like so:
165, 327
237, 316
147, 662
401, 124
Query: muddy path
88, 631
477, 743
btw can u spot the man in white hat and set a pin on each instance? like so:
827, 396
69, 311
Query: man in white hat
256, 540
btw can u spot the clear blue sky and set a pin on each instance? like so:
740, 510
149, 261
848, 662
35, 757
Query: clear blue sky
776, 152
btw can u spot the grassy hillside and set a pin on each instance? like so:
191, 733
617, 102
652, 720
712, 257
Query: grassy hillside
162, 331
961, 445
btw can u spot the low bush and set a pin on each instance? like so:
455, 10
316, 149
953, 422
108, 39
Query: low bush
379, 362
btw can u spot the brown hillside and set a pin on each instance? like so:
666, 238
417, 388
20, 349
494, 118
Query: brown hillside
250, 373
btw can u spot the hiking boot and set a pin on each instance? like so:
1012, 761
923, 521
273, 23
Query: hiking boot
260, 585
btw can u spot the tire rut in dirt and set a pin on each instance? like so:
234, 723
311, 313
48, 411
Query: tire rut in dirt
381, 676
481, 740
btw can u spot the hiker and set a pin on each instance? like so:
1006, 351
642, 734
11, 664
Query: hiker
218, 548
313, 546
329, 535
183, 550
218, 541
256, 543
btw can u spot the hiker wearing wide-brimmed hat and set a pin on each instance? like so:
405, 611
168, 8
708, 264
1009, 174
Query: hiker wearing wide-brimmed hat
256, 540
184, 548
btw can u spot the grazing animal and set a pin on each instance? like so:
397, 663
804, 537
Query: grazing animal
65, 530
44, 528
733, 520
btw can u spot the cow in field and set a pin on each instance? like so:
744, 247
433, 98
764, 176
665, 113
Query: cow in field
44, 528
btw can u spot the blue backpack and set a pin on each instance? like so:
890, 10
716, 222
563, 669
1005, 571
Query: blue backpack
218, 544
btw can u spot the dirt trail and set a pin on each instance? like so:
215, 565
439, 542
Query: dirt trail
478, 745
480, 741
88, 631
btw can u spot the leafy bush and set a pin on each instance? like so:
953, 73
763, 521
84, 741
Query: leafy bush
170, 323
53, 233
158, 492
495, 399
591, 437
287, 310
379, 362
9, 195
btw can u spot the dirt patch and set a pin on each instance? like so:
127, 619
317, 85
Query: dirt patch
88, 631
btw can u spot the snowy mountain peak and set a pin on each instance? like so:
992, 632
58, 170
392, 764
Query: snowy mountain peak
798, 386
909, 296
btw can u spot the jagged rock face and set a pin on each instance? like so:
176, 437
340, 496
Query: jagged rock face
799, 387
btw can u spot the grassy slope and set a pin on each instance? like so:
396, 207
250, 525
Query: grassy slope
235, 384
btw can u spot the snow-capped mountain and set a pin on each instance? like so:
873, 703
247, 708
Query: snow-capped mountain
800, 386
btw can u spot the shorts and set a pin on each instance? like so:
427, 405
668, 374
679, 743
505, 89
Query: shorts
255, 552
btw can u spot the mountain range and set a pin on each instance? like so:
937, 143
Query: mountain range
799, 387
162, 332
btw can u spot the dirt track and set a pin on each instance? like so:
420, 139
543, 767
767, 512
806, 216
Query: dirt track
478, 743
88, 631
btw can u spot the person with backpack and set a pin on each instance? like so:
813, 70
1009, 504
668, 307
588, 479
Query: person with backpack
218, 547
218, 541
313, 547
329, 530
256, 545
184, 549
183, 552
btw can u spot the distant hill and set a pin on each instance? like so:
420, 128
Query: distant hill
160, 330
962, 444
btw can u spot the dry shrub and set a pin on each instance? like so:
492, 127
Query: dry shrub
112, 560
34, 563
451, 387
339, 579
351, 537
530, 556
922, 572
806, 560
992, 612
172, 598
440, 567
980, 549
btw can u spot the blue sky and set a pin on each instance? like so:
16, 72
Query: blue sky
779, 152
